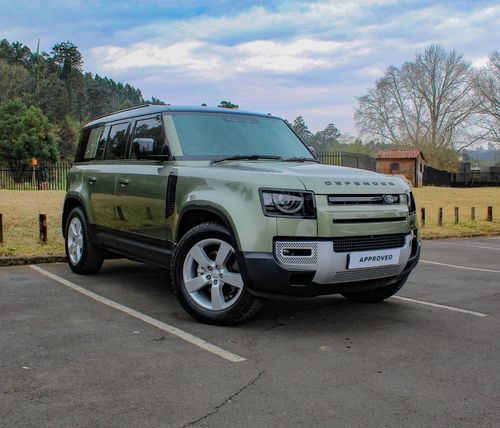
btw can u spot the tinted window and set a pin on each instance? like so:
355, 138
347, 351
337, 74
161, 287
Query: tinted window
92, 142
221, 134
117, 141
150, 135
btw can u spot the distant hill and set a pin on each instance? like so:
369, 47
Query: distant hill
484, 155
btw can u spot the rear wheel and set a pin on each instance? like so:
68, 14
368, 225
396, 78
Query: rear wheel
83, 258
377, 295
207, 280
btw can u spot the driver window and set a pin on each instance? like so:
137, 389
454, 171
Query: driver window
150, 133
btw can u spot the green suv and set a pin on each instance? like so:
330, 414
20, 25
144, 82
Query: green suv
237, 207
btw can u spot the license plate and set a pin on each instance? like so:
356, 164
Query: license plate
365, 259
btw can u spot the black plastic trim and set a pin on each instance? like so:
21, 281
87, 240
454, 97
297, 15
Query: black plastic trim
170, 197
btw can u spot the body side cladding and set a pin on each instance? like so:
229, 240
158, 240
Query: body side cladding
209, 209
71, 201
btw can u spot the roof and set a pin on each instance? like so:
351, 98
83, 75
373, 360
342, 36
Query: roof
157, 108
399, 154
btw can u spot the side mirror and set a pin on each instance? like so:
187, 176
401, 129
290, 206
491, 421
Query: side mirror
313, 150
144, 148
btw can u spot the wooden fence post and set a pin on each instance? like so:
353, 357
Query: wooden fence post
489, 217
1, 228
473, 213
456, 215
422, 211
440, 217
42, 220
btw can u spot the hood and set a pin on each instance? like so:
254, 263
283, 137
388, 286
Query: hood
326, 179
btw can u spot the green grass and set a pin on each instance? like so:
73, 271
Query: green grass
20, 211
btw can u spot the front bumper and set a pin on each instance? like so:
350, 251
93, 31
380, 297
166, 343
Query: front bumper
324, 272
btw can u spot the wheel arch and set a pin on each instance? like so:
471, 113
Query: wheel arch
70, 202
196, 214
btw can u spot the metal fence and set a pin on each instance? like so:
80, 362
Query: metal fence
475, 179
437, 177
23, 176
353, 160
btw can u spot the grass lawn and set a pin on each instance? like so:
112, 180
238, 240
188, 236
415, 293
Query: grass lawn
20, 211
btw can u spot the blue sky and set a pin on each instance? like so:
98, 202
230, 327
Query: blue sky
309, 58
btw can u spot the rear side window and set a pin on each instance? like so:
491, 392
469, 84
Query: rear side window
150, 133
92, 143
117, 141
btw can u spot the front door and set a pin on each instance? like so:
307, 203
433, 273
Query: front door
141, 188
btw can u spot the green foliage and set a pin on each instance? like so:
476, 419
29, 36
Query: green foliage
56, 84
228, 104
324, 140
301, 129
25, 132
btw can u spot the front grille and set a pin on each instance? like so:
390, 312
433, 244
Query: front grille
383, 199
366, 273
348, 244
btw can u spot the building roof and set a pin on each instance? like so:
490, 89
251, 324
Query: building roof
154, 108
399, 154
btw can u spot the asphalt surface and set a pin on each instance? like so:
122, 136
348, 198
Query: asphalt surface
68, 360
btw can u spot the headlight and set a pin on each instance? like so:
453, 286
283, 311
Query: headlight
283, 203
410, 200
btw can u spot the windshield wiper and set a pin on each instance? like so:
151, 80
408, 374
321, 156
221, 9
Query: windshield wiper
300, 159
245, 157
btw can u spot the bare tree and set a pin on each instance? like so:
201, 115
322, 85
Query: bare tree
425, 102
487, 89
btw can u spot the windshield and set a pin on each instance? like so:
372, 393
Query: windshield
216, 135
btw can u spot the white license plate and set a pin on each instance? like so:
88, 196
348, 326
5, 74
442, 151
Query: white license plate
365, 259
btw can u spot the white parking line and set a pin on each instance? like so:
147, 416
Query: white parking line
459, 267
436, 305
466, 245
181, 334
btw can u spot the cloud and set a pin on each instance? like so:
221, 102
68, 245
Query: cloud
289, 57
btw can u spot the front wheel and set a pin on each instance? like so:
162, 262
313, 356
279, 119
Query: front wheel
207, 280
377, 295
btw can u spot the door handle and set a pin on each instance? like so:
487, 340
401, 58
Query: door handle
92, 180
123, 181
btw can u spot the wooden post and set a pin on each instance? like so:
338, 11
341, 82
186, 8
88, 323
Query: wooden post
489, 217
456, 215
422, 211
42, 220
1, 228
440, 217
473, 213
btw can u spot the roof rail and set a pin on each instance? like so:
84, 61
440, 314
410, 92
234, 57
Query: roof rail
121, 111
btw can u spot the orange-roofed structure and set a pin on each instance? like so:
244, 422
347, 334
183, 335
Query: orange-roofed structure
407, 163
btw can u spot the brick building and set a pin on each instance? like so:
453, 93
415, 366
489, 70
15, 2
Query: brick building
408, 163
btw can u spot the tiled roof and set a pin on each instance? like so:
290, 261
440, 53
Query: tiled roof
399, 154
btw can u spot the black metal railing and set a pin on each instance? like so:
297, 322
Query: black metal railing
24, 176
353, 160
436, 177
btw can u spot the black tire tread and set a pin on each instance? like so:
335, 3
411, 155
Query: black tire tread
92, 257
248, 305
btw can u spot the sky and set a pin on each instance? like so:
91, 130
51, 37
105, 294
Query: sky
288, 58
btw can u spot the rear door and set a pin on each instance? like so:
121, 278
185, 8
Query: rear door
98, 185
100, 180
141, 188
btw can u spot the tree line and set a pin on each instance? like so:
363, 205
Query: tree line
436, 102
46, 97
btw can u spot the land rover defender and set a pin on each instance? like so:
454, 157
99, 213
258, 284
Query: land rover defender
237, 207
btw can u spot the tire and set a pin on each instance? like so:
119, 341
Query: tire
377, 295
83, 257
206, 278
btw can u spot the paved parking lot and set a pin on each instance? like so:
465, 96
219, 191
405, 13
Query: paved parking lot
117, 351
